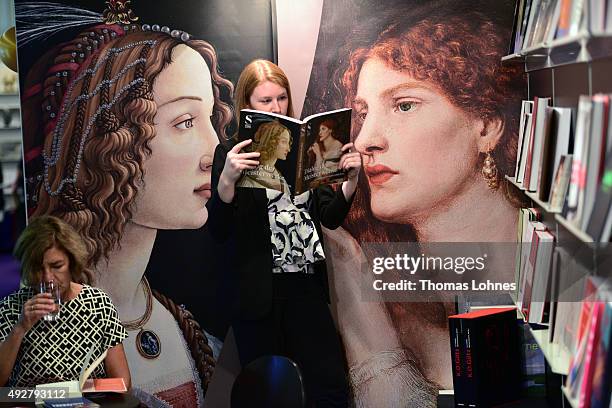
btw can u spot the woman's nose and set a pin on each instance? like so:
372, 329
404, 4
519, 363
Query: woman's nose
371, 138
206, 162
46, 274
275, 106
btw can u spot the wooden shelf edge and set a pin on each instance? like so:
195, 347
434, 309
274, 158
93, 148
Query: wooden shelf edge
512, 181
581, 235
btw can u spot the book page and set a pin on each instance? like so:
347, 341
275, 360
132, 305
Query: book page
104, 385
325, 135
87, 370
277, 138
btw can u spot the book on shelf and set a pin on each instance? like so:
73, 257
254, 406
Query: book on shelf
560, 184
569, 283
609, 17
546, 156
544, 23
539, 305
525, 143
533, 363
486, 357
519, 8
84, 384
599, 223
601, 390
558, 145
526, 107
585, 369
541, 121
565, 14
577, 17
575, 193
534, 11
529, 246
524, 23
595, 156
596, 12
305, 153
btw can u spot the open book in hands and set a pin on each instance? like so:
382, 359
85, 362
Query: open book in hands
303, 153
84, 384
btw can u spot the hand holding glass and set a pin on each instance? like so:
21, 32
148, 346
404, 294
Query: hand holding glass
52, 288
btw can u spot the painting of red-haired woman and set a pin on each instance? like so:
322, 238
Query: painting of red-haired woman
435, 120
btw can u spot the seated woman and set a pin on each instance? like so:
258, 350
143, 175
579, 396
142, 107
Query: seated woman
35, 351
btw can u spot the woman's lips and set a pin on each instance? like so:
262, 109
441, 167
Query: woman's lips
203, 191
379, 174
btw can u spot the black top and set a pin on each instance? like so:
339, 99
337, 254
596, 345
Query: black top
245, 222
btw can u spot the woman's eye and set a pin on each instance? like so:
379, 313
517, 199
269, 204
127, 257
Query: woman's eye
186, 124
405, 106
361, 116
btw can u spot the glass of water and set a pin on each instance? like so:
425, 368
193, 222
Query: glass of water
53, 289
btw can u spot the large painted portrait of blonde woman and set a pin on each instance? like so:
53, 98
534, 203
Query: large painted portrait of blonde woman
122, 115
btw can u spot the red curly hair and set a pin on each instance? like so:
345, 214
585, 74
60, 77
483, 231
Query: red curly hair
461, 56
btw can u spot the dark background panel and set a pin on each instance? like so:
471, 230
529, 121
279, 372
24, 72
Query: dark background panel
240, 30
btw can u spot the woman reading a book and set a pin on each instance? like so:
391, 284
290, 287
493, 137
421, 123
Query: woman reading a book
273, 142
38, 352
283, 300
326, 151
121, 140
436, 123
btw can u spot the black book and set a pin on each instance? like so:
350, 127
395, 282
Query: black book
490, 353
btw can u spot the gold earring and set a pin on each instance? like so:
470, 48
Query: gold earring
489, 171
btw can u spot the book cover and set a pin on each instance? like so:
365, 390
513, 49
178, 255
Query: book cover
528, 259
457, 361
540, 305
534, 154
603, 203
564, 18
525, 110
581, 140
492, 357
533, 364
584, 400
602, 372
577, 17
516, 26
524, 25
526, 142
545, 156
595, 157
295, 154
532, 23
557, 144
558, 190
70, 403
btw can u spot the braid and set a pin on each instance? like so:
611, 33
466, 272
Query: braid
107, 122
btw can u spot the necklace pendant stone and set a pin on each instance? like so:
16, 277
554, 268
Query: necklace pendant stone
148, 344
